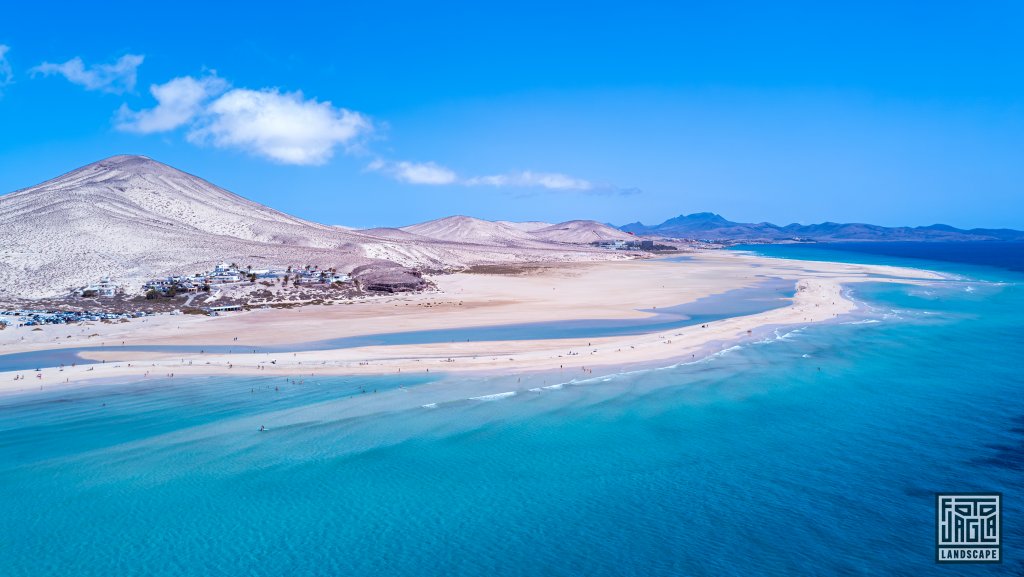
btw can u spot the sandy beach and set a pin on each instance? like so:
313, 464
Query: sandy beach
578, 291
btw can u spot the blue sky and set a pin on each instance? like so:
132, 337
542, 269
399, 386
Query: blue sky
390, 113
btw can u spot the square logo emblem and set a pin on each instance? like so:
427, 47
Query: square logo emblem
967, 528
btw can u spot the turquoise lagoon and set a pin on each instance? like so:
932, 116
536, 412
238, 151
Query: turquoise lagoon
766, 294
808, 451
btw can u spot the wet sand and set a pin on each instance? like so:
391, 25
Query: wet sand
608, 290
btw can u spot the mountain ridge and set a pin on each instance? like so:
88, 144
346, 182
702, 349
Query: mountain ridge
512, 234
133, 218
711, 226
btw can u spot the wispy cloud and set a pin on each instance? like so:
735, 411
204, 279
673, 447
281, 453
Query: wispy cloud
117, 77
6, 73
179, 101
415, 172
433, 173
527, 179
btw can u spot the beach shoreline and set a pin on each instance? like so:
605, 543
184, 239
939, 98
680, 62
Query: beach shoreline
616, 290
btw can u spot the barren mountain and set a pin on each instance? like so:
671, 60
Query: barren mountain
133, 218
528, 226
469, 230
580, 231
384, 232
515, 234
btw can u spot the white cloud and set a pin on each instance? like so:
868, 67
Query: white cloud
285, 127
432, 173
179, 101
117, 77
415, 172
289, 128
526, 178
6, 74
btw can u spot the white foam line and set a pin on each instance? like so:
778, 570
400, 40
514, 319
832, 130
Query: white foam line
785, 335
430, 406
494, 397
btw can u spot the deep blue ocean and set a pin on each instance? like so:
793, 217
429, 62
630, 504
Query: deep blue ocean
814, 451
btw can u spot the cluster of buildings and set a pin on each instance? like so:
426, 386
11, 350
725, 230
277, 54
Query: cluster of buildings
225, 273
29, 317
313, 275
222, 274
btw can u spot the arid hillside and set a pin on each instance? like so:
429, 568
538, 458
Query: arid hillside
132, 218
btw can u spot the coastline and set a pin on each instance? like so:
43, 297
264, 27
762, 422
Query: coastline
623, 290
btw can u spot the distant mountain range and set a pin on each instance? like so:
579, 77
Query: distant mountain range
710, 226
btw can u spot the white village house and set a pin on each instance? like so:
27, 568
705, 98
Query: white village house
104, 288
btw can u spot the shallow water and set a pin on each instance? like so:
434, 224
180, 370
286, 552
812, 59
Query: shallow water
817, 452
975, 259
768, 294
